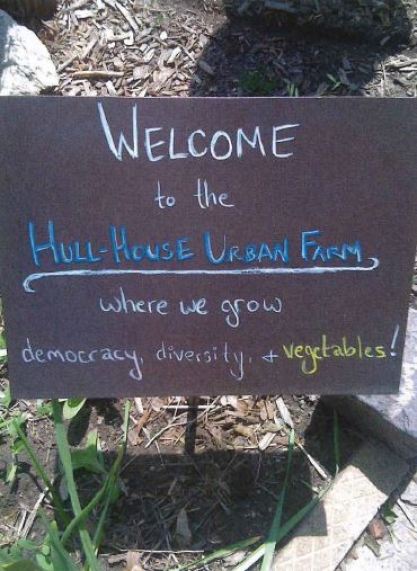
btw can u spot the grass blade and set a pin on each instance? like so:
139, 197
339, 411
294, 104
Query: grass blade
65, 457
285, 529
252, 559
113, 477
219, 554
40, 470
85, 512
60, 558
21, 565
276, 523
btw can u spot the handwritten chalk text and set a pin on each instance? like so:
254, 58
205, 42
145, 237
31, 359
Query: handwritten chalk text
311, 356
158, 143
31, 354
211, 248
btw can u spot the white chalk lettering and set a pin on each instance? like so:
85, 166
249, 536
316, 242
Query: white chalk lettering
220, 145
276, 142
253, 142
44, 356
120, 303
197, 306
118, 152
234, 360
233, 308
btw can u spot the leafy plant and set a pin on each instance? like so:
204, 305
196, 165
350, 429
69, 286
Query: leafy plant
292, 89
258, 83
44, 408
335, 81
3, 348
5, 398
90, 457
55, 553
389, 516
72, 407
14, 554
9, 427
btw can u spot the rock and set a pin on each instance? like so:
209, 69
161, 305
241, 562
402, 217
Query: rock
392, 418
26, 68
322, 540
409, 496
40, 9
398, 554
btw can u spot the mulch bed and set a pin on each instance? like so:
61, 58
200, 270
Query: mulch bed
192, 47
193, 480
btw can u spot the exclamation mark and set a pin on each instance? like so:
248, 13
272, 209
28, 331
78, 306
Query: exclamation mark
394, 341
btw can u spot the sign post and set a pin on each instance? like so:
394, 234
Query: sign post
206, 246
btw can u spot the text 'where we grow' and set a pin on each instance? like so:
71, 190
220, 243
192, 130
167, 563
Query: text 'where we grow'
206, 246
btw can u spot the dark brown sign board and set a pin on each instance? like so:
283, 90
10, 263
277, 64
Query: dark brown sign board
206, 246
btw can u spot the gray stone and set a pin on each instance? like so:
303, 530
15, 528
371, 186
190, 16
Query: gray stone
26, 68
325, 536
398, 550
409, 495
392, 418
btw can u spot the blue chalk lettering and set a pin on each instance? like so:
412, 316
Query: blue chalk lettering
305, 243
356, 250
119, 244
45, 246
208, 250
183, 251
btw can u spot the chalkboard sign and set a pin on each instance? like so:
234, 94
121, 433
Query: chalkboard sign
206, 246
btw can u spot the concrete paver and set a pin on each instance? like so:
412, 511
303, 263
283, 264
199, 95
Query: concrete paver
398, 550
326, 535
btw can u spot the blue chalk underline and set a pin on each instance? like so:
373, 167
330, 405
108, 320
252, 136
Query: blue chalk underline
236, 272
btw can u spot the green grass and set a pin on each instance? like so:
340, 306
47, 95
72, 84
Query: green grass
276, 524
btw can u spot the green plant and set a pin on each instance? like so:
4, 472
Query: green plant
276, 523
388, 515
8, 421
292, 89
335, 81
5, 399
72, 407
258, 83
55, 553
218, 554
3, 349
14, 427
13, 558
43, 409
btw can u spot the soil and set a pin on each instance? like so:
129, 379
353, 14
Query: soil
209, 464
215, 472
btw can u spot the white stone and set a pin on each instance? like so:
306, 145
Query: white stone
398, 550
325, 535
26, 68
